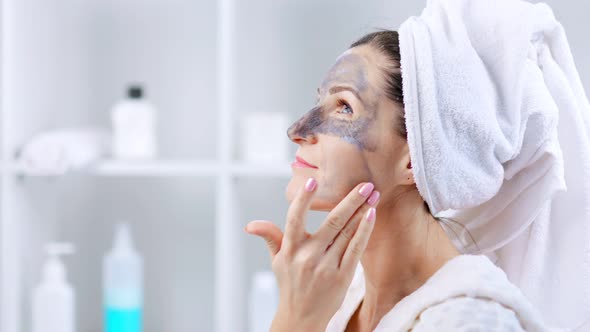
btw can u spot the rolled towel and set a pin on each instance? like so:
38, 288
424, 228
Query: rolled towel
498, 129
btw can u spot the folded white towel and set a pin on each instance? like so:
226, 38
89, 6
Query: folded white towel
496, 116
59, 151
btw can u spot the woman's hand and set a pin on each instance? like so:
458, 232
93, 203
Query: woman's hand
314, 271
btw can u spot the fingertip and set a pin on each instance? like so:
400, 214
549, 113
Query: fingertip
374, 198
310, 185
251, 227
255, 226
366, 189
371, 214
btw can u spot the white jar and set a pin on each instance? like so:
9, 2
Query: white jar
265, 137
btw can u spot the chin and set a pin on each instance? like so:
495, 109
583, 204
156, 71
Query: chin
320, 201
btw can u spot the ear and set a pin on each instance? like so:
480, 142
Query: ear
405, 168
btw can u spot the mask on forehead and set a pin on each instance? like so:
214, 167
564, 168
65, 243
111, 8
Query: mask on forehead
351, 70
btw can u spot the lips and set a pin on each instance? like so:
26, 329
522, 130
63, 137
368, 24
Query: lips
300, 162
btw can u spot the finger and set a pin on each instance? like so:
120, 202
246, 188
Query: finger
359, 241
340, 215
336, 250
269, 232
297, 213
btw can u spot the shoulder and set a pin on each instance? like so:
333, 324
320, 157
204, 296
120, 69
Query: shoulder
467, 314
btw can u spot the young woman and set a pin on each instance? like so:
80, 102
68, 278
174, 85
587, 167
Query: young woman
353, 160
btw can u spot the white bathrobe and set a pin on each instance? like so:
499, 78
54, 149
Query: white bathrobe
468, 293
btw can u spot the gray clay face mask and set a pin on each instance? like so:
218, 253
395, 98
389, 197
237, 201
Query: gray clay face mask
350, 71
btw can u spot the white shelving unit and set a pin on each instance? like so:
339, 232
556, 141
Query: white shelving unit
64, 63
26, 196
204, 62
167, 168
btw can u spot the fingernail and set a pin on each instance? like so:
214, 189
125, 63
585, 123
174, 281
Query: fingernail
246, 228
310, 184
366, 189
371, 215
373, 198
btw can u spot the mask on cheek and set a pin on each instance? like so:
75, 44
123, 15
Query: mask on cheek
317, 121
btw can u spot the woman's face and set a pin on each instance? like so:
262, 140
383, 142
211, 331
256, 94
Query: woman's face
349, 136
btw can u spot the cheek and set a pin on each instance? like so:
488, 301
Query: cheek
326, 196
343, 167
297, 181
342, 172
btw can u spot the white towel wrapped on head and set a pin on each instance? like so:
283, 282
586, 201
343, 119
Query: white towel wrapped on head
498, 129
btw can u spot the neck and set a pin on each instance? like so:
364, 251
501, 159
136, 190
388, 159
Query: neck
406, 248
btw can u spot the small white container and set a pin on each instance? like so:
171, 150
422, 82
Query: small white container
134, 127
265, 137
263, 301
54, 299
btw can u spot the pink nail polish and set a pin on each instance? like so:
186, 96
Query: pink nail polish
366, 189
371, 214
310, 184
373, 198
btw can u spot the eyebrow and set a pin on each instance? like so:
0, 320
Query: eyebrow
339, 88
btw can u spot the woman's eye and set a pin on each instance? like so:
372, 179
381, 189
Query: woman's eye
345, 108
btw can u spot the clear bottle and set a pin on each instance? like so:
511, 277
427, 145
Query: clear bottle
54, 299
134, 127
263, 301
123, 285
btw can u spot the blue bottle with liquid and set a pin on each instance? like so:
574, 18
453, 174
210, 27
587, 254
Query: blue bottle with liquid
123, 285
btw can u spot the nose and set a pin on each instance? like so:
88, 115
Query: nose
299, 135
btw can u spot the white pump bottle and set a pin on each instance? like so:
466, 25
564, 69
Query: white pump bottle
53, 298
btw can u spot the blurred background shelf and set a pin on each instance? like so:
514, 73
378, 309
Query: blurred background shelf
278, 170
165, 168
155, 168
